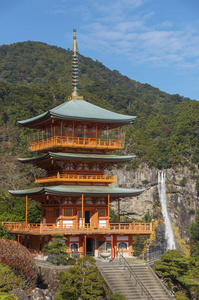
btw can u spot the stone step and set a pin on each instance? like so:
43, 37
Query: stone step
120, 281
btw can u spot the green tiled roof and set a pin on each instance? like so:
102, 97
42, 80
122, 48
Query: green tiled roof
66, 190
80, 110
78, 157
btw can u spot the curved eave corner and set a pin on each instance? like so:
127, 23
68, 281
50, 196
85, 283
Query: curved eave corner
34, 120
29, 192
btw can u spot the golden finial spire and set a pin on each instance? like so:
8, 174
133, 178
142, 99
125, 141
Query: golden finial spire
75, 70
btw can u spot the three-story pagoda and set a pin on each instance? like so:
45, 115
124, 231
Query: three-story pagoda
75, 140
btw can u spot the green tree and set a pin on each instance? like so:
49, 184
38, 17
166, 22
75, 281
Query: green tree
178, 271
57, 250
82, 281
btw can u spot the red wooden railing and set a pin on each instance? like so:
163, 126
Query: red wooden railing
113, 228
76, 142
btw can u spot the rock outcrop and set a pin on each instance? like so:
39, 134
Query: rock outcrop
182, 199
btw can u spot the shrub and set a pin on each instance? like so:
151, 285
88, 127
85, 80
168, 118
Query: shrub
71, 261
181, 296
192, 211
18, 258
117, 297
8, 280
6, 296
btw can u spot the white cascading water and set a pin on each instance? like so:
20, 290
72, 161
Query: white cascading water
169, 236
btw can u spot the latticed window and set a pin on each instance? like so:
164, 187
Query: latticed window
67, 212
108, 246
101, 212
74, 247
122, 246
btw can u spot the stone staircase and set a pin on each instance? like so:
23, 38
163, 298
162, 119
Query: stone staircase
135, 281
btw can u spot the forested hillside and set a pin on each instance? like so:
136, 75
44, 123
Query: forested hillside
35, 77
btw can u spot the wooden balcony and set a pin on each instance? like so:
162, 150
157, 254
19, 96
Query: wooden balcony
74, 178
48, 229
76, 142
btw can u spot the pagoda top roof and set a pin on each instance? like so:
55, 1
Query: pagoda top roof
78, 157
74, 190
79, 110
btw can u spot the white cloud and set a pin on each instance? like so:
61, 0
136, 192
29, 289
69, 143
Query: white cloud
127, 28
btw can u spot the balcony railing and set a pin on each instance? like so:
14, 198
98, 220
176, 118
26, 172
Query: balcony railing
76, 142
46, 229
63, 177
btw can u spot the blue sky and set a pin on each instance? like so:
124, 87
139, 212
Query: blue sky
150, 41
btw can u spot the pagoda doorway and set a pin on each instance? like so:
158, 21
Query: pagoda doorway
86, 218
90, 246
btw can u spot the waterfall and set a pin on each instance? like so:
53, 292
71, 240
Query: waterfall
169, 236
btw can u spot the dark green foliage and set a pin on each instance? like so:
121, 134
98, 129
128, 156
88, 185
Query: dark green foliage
117, 297
181, 296
81, 282
195, 249
6, 296
8, 280
3, 232
178, 271
194, 237
57, 250
147, 217
71, 261
197, 184
17, 258
138, 245
183, 181
113, 216
192, 211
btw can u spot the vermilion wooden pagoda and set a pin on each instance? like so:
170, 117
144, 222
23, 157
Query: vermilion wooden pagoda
75, 194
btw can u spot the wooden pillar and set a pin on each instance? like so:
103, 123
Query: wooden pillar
108, 209
85, 245
119, 210
18, 238
82, 210
26, 209
130, 245
111, 247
